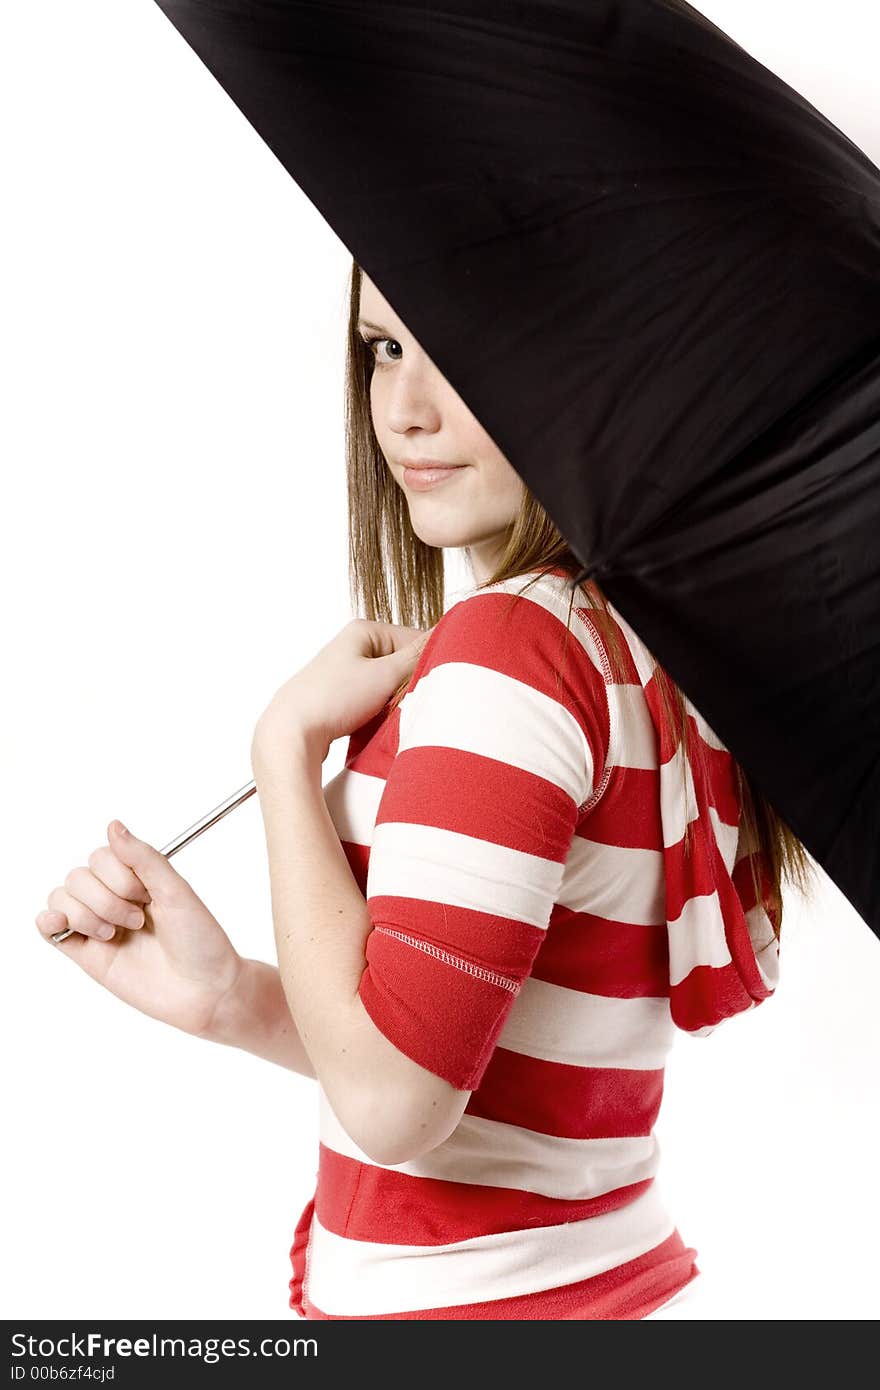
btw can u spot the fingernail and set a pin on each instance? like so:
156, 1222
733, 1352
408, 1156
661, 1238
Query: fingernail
119, 828
105, 931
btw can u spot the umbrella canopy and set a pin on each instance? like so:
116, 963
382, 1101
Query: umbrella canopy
651, 269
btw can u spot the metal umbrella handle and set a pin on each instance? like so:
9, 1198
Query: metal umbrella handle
194, 830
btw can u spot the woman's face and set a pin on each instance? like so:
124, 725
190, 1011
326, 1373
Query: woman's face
418, 418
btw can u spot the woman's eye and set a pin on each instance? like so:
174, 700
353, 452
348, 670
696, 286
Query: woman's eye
372, 344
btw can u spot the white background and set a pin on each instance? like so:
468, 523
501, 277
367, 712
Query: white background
173, 549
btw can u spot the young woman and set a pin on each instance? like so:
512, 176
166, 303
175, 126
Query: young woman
537, 861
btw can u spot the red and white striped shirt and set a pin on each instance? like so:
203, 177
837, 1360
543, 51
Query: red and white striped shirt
516, 825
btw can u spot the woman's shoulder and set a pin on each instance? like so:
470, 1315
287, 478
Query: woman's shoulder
538, 613
524, 628
525, 595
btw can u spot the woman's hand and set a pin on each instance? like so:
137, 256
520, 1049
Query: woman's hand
175, 962
346, 684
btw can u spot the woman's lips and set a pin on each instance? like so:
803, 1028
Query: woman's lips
421, 479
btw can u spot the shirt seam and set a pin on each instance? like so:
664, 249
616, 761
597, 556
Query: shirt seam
599, 790
458, 962
308, 1250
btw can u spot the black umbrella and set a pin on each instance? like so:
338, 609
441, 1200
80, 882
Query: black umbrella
664, 265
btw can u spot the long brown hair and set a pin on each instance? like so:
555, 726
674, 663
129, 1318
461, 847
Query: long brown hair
395, 577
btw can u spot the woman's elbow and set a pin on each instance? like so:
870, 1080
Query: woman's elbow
389, 1152
397, 1133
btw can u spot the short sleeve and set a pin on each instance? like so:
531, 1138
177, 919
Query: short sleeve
502, 734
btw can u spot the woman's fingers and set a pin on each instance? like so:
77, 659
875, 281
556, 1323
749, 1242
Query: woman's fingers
52, 922
118, 877
82, 885
81, 918
97, 899
90, 907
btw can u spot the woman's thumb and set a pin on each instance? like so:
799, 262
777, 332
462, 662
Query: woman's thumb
408, 656
150, 864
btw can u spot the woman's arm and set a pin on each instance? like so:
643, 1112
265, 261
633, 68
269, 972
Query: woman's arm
387, 1103
255, 1016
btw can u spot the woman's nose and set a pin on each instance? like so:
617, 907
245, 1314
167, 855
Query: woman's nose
412, 400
